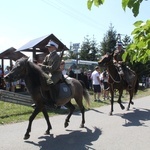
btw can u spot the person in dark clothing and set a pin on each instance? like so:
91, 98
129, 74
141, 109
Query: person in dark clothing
71, 73
121, 66
85, 80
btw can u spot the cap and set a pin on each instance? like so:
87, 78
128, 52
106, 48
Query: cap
51, 43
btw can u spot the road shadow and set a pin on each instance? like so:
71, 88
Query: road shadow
137, 117
74, 140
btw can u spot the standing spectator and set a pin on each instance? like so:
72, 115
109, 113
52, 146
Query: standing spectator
149, 81
81, 75
71, 73
96, 83
102, 82
143, 81
62, 68
64, 73
7, 84
85, 80
13, 84
89, 79
1, 75
106, 87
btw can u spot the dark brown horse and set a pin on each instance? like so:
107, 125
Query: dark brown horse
117, 82
34, 79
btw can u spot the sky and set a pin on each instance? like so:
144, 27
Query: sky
69, 20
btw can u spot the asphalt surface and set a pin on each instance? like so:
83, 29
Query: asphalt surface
125, 130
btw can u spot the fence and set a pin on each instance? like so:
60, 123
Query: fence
15, 98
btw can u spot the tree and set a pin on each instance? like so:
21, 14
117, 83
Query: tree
126, 40
70, 55
139, 49
109, 41
89, 49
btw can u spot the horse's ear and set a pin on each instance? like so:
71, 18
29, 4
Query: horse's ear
26, 58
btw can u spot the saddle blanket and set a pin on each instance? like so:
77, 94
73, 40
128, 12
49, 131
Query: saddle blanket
64, 91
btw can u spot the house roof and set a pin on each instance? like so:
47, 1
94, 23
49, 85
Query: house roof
38, 44
12, 54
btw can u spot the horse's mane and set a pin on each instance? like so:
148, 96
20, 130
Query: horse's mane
35, 73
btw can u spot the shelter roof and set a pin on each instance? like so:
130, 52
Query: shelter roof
11, 53
39, 44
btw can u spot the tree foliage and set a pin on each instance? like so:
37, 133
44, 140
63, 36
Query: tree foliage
109, 41
88, 49
126, 40
70, 55
139, 49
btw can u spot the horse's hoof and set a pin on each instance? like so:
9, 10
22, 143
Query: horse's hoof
47, 133
82, 126
110, 114
26, 137
122, 107
66, 124
132, 103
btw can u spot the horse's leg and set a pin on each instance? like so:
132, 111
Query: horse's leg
130, 101
111, 100
44, 111
35, 112
119, 99
71, 110
82, 109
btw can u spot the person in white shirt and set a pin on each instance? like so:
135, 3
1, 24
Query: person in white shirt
96, 83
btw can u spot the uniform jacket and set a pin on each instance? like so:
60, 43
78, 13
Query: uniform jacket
118, 55
51, 66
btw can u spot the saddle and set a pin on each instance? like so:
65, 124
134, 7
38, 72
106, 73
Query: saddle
126, 74
63, 90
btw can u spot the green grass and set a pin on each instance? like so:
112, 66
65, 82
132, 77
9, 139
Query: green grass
12, 113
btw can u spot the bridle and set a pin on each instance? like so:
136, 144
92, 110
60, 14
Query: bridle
113, 79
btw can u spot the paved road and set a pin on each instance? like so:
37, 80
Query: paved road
125, 130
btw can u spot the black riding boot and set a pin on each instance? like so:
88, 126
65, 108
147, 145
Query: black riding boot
52, 93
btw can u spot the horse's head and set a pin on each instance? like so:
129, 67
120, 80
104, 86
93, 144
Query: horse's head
18, 70
105, 60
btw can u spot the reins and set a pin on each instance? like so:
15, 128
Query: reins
114, 81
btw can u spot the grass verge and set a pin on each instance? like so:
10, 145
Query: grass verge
13, 113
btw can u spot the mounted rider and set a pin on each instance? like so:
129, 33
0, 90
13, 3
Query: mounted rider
123, 70
117, 58
51, 66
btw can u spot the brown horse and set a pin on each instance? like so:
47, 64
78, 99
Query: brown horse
34, 79
117, 82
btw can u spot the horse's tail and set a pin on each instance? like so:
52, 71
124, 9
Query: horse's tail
136, 86
85, 93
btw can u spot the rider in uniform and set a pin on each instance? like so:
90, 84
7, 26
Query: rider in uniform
118, 62
51, 66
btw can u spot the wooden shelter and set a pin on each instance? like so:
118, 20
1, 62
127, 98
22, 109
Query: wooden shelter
38, 46
10, 54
